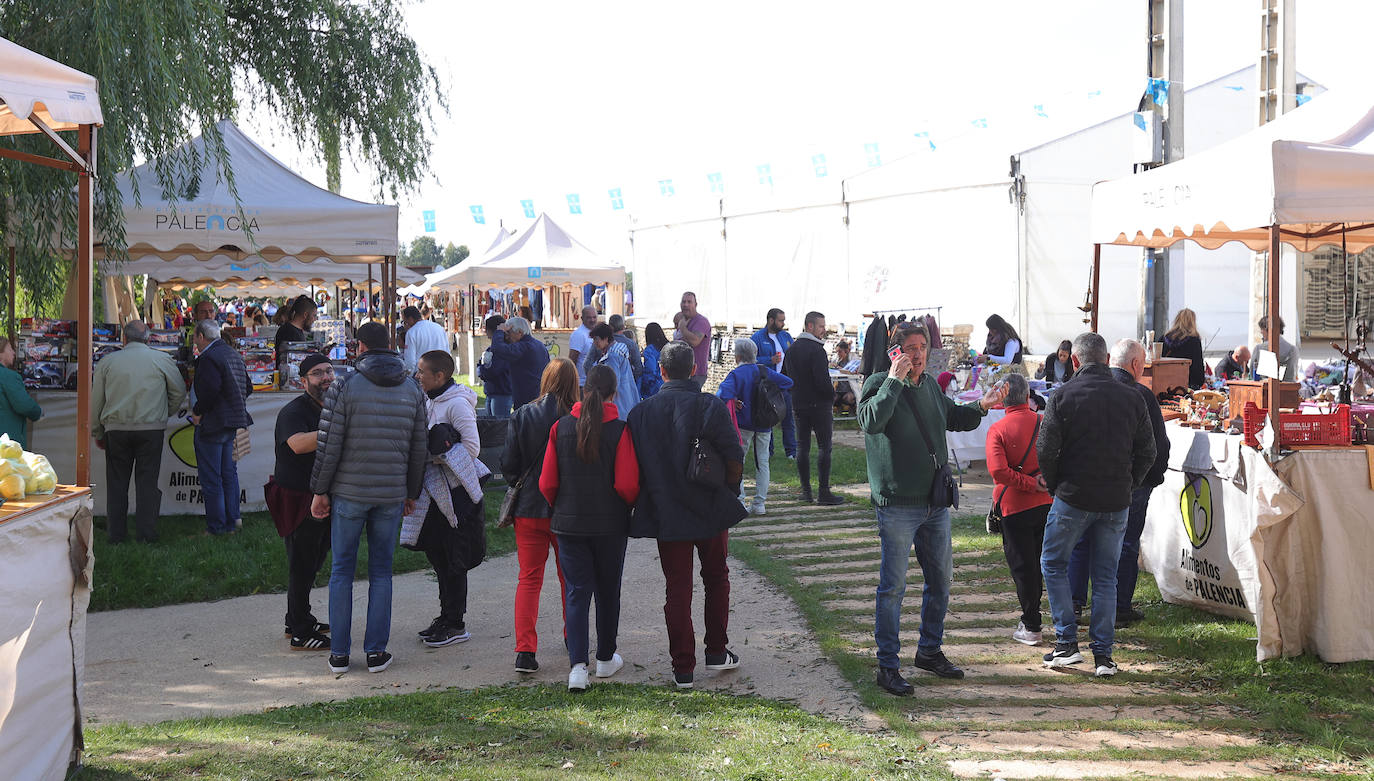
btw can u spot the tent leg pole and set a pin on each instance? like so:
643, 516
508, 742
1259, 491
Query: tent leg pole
1271, 338
1097, 285
14, 283
389, 290
85, 327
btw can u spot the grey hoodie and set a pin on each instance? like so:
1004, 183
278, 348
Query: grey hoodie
373, 434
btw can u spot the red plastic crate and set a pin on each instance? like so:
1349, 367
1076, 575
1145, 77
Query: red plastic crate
1329, 429
1254, 417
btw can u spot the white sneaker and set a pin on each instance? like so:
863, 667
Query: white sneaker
757, 508
608, 668
577, 678
1025, 636
1106, 668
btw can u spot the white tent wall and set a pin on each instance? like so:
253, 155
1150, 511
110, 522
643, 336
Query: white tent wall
954, 249
672, 259
791, 260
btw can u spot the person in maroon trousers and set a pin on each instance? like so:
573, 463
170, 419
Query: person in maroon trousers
686, 516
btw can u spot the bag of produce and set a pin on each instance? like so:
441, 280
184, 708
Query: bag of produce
43, 479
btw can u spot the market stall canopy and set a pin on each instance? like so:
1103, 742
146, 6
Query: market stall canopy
1310, 171
543, 256
286, 214
442, 274
289, 272
32, 85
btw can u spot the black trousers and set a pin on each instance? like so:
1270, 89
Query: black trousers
820, 420
446, 549
306, 548
137, 454
1023, 534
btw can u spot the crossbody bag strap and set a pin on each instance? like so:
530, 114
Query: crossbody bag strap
1035, 433
934, 459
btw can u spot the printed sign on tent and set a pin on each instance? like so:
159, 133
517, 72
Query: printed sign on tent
874, 158
477, 215
428, 216
528, 206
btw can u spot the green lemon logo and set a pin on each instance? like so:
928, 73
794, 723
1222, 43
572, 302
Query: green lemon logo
182, 444
1195, 502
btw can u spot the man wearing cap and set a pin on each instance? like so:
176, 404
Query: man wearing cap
288, 497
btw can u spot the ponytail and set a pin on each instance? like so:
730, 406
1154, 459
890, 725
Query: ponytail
599, 389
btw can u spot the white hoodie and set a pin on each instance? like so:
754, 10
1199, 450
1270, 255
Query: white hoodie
457, 407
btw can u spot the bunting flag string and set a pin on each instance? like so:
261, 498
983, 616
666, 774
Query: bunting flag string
818, 163
871, 153
665, 188
428, 217
477, 215
528, 208
574, 204
617, 202
717, 181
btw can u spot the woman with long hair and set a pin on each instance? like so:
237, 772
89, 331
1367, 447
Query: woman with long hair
591, 480
652, 379
1058, 366
1183, 341
526, 442
1003, 345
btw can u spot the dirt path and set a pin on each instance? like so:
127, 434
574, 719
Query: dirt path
230, 657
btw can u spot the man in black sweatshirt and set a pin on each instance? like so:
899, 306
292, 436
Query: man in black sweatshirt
813, 397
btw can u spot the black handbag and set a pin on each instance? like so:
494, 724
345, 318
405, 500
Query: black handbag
994, 520
705, 466
944, 489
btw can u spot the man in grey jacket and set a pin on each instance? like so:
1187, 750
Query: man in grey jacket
133, 392
368, 471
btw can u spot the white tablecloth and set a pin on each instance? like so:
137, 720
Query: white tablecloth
969, 446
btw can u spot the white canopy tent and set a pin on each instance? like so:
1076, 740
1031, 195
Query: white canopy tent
543, 256
279, 226
1306, 180
46, 549
443, 274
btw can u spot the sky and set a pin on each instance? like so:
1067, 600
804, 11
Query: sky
549, 99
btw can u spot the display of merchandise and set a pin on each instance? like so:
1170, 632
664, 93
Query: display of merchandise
328, 331
260, 360
295, 352
43, 326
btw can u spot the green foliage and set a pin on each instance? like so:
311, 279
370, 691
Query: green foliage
454, 255
342, 72
423, 251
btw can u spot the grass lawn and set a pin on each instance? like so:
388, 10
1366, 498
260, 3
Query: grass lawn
613, 730
186, 566
1313, 710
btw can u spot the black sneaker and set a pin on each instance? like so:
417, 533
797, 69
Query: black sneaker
378, 661
448, 634
806, 495
683, 680
311, 642
827, 499
525, 662
891, 681
318, 628
1078, 615
1063, 655
1104, 666
938, 664
338, 663
1125, 618
726, 661
434, 626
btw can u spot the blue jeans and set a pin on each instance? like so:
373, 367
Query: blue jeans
898, 529
1127, 568
1103, 530
592, 568
219, 479
499, 406
382, 523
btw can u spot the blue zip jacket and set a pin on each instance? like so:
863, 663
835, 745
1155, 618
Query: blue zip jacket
740, 385
766, 348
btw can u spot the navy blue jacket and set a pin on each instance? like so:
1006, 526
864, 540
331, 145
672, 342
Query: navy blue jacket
766, 347
1156, 474
740, 384
222, 389
527, 359
496, 377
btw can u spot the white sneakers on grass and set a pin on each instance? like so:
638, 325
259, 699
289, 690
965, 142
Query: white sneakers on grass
1025, 636
579, 677
608, 668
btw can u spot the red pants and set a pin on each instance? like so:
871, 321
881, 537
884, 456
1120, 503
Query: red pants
532, 541
676, 558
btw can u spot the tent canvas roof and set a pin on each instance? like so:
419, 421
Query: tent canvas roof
33, 85
1310, 171
544, 255
189, 270
286, 213
435, 277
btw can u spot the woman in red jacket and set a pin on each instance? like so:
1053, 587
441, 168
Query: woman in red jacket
591, 480
1023, 500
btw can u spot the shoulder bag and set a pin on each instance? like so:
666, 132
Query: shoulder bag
944, 491
705, 466
994, 521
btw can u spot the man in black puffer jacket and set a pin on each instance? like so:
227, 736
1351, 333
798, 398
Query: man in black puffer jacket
1096, 446
220, 410
368, 471
813, 401
686, 516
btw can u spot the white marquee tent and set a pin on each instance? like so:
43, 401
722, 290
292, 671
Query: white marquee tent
436, 277
543, 256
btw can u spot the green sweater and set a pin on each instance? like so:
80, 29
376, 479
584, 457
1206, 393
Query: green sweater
135, 389
15, 405
890, 429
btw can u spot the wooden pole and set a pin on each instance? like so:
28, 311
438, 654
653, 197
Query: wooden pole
1097, 285
86, 319
14, 284
389, 292
1272, 337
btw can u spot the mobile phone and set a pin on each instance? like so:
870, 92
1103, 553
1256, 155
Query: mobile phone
894, 352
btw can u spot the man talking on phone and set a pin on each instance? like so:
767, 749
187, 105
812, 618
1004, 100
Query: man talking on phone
904, 417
